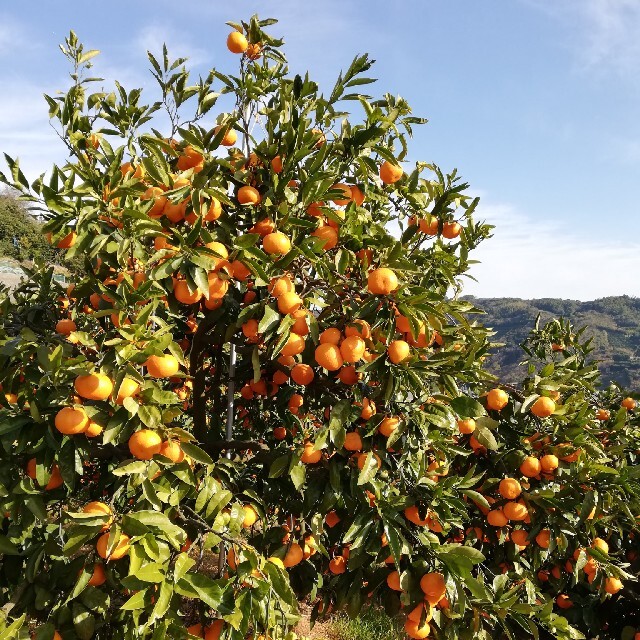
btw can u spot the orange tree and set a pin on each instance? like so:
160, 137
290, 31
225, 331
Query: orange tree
260, 389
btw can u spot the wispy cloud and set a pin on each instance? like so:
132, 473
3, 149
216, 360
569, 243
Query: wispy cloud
153, 36
12, 36
530, 257
603, 33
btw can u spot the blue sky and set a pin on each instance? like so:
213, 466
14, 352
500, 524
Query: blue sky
536, 102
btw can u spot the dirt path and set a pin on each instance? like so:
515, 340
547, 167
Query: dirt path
320, 631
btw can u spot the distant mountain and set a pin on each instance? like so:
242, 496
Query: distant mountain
614, 324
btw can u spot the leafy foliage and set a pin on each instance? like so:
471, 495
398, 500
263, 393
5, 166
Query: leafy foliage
21, 236
253, 394
612, 323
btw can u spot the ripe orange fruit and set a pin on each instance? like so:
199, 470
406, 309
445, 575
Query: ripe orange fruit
390, 173
250, 516
100, 508
543, 407
612, 585
280, 433
543, 539
388, 426
294, 555
433, 586
520, 537
65, 326
279, 285
345, 190
249, 195
451, 230
337, 565
250, 328
229, 138
515, 511
144, 444
171, 449
358, 328
602, 415
357, 195
159, 201
329, 356
497, 399
429, 226
289, 302
413, 515
98, 577
300, 325
164, 366
509, 488
352, 349
398, 351
128, 388
183, 293
600, 544
564, 602
120, 549
348, 375
353, 441
328, 235
414, 630
362, 458
309, 456
218, 287
331, 519
254, 50
497, 518
382, 281
276, 243
67, 242
393, 581
467, 426
302, 374
416, 613
93, 430
236, 42
93, 386
294, 345
627, 403
368, 409
55, 478
530, 467
548, 463
276, 164
71, 420
330, 336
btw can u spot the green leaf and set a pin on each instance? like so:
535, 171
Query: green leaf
135, 602
182, 565
369, 469
200, 586
196, 453
83, 621
298, 475
269, 321
467, 407
485, 438
7, 547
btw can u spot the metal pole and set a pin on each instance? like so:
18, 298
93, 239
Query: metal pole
231, 389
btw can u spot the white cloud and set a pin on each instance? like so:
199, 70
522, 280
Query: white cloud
12, 36
603, 33
24, 128
153, 36
530, 257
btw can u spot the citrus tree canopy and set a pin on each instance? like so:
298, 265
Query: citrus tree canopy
263, 388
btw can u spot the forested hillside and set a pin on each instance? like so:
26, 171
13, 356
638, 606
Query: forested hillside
614, 324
